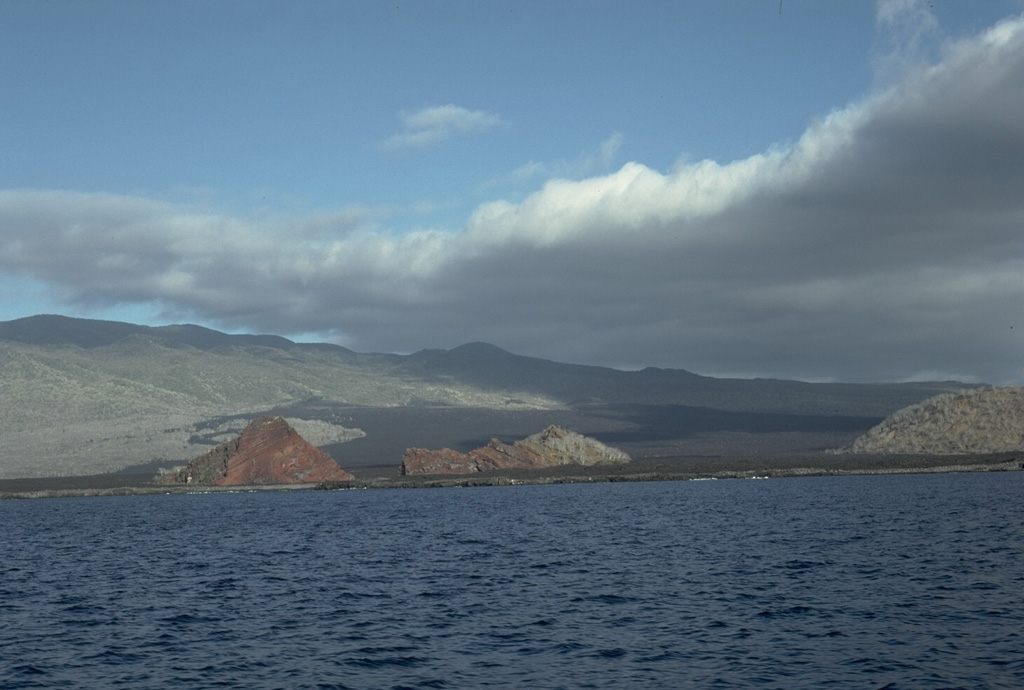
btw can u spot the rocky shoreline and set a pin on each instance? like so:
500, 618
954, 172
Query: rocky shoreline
643, 470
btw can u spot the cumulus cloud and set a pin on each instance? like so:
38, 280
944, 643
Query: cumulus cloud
886, 243
435, 125
587, 163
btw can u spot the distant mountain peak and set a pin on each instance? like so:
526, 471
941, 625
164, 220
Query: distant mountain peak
479, 349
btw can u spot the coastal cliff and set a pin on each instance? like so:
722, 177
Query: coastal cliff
986, 420
268, 451
549, 448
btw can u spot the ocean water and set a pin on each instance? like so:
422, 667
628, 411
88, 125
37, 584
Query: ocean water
866, 582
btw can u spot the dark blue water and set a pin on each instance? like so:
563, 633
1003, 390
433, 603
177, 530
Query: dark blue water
867, 582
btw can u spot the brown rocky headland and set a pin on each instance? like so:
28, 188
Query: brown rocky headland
551, 447
267, 452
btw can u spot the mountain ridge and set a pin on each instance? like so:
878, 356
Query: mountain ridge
43, 329
81, 396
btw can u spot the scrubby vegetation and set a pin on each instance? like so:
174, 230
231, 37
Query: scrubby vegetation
986, 420
69, 410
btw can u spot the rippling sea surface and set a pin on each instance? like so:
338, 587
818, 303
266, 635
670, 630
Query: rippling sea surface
867, 582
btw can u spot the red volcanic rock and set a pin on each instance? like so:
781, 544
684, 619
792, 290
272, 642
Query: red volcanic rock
268, 451
551, 447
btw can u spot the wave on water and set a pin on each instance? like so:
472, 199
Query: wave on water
903, 581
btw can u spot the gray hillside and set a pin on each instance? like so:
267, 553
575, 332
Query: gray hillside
80, 396
987, 420
575, 448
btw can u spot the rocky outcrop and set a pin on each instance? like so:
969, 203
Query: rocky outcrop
268, 451
985, 420
548, 448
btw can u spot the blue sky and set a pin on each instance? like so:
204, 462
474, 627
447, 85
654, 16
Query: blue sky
816, 190
293, 104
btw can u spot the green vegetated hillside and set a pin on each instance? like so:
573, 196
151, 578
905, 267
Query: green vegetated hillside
985, 420
83, 396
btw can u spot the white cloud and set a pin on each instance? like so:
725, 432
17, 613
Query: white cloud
885, 244
589, 162
601, 160
528, 171
909, 37
435, 125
